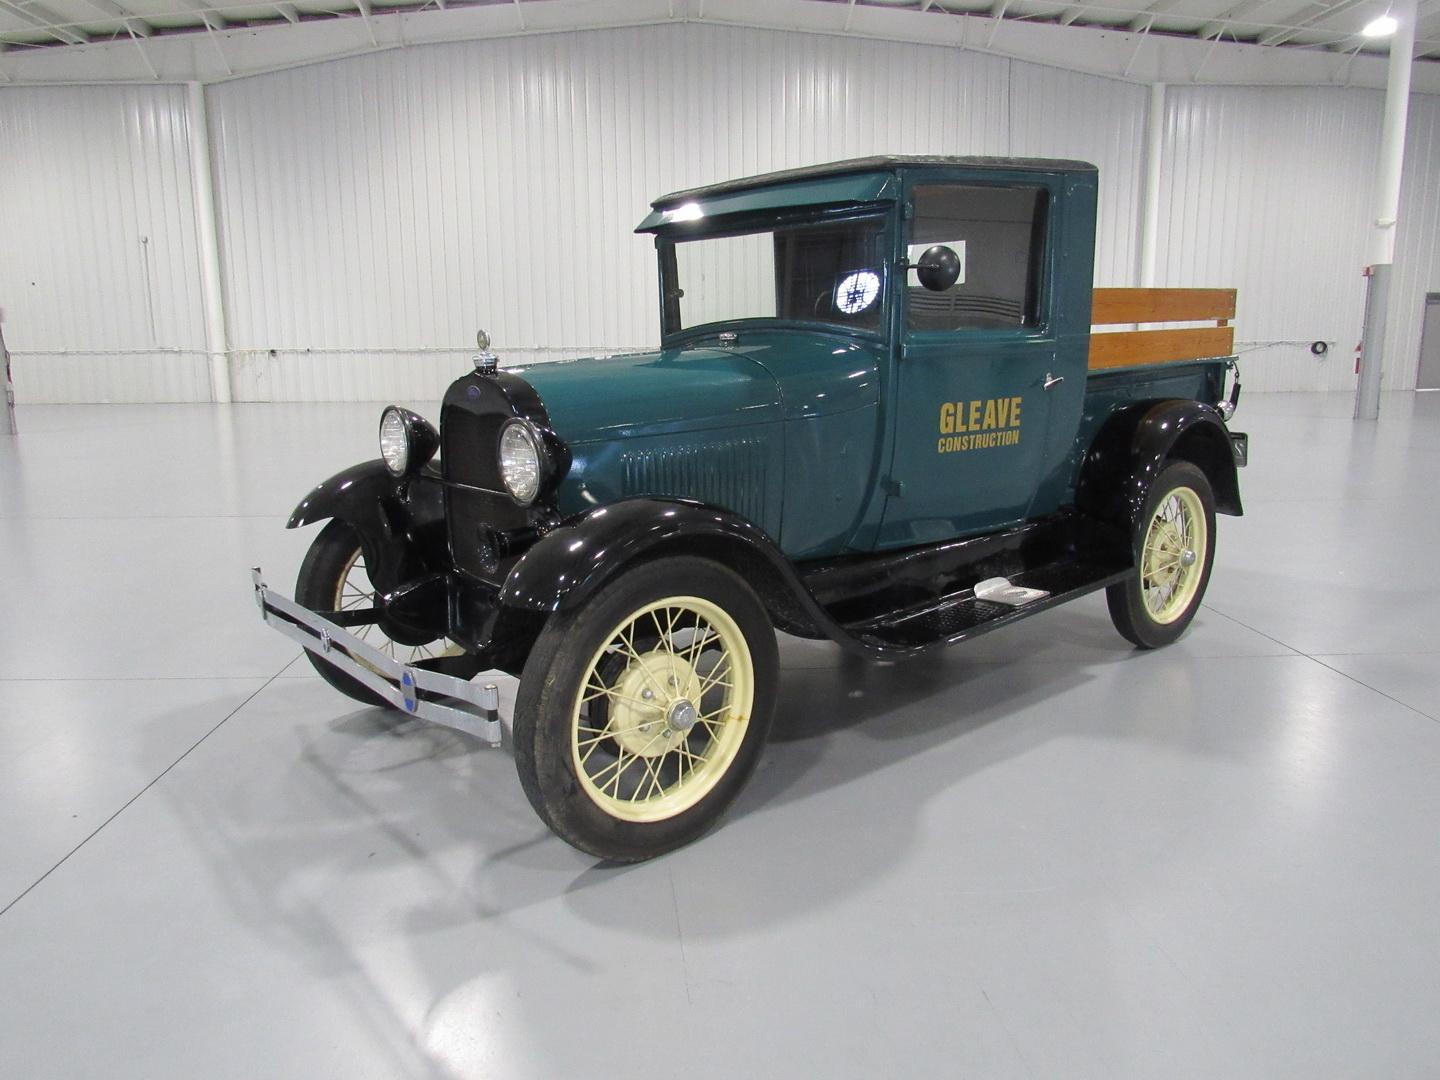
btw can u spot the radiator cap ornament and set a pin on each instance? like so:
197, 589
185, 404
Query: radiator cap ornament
486, 362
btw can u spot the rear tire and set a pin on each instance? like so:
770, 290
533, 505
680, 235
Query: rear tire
641, 715
1174, 549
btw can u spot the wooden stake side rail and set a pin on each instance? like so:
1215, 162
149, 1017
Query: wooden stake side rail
1130, 348
1112, 306
1159, 346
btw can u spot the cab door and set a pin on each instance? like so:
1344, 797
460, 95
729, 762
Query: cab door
977, 362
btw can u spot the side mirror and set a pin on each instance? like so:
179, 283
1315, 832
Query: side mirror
938, 268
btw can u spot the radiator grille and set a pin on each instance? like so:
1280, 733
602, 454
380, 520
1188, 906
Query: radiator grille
468, 456
725, 472
468, 441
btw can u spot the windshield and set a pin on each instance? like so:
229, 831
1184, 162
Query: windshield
832, 272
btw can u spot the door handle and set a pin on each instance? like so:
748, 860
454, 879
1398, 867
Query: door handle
1053, 380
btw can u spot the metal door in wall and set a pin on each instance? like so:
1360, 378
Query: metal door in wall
1428, 377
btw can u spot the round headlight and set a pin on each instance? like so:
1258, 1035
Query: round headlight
394, 440
520, 461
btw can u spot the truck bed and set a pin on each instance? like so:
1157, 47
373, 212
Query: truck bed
1132, 365
1200, 379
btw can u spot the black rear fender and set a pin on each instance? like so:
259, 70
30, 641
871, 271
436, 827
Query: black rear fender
1137, 442
570, 564
401, 523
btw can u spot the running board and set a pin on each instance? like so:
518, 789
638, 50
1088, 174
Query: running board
964, 614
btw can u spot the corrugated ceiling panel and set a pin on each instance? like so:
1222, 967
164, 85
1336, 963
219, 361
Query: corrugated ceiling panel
99, 255
1269, 190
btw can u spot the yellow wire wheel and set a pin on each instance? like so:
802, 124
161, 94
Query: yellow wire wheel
640, 716
663, 710
1172, 556
1174, 550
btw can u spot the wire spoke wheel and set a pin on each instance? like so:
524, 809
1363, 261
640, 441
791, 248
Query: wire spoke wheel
643, 711
1173, 554
333, 578
663, 708
353, 591
1174, 550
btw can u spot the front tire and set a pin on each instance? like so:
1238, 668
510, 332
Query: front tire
333, 578
641, 716
1174, 550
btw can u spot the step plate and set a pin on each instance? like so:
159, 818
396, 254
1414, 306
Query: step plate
999, 590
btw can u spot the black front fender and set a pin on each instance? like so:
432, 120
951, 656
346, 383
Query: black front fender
570, 564
400, 522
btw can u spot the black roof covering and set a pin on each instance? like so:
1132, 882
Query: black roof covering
879, 163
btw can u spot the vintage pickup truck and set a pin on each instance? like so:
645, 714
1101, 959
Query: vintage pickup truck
878, 415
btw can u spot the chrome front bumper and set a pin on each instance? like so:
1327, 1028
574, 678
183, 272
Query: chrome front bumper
477, 707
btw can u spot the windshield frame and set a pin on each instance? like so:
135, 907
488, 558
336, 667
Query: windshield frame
671, 333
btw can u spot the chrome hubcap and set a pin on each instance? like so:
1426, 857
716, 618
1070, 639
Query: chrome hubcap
682, 716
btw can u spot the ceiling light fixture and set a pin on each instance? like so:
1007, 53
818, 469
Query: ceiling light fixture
1384, 26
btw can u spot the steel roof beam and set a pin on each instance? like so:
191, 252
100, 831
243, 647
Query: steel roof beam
42, 18
213, 20
365, 12
1217, 26
1281, 36
136, 26
1145, 19
280, 45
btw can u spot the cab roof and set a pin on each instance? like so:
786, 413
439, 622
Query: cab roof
856, 180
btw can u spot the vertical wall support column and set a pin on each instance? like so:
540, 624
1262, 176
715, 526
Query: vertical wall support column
1150, 210
217, 347
1387, 212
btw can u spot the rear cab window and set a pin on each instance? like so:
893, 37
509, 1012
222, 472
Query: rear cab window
998, 233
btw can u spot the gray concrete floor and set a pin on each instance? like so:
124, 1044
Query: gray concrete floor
1043, 854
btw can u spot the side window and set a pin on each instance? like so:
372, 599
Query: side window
998, 236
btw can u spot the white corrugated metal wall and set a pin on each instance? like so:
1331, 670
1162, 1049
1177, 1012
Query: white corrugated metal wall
1257, 194
375, 211
99, 276
411, 197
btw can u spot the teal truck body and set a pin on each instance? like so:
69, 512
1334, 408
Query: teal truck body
877, 414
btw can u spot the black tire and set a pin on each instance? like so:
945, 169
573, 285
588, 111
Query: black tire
317, 588
549, 723
1136, 619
